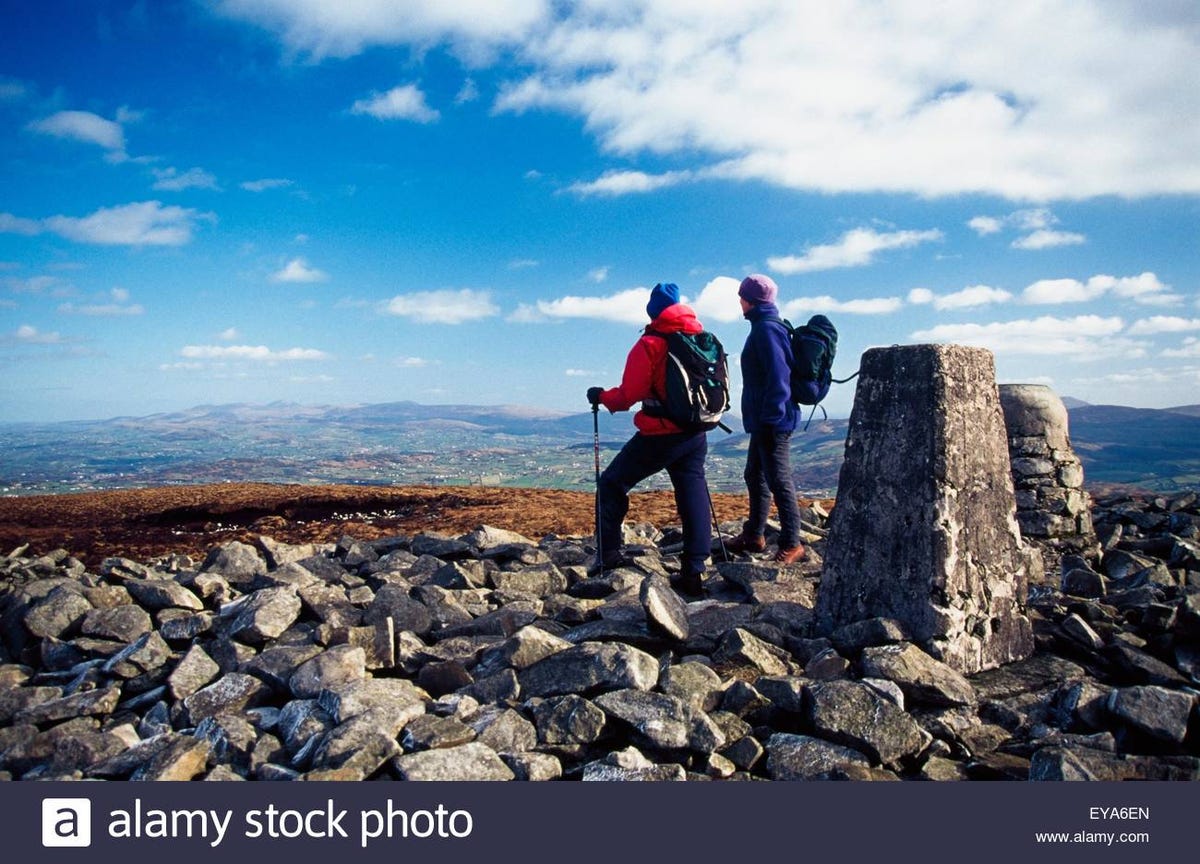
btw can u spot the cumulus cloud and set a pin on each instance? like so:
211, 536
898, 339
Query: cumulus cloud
230, 334
27, 334
1084, 337
173, 180
626, 307
115, 305
969, 297
443, 307
984, 225
598, 274
253, 353
405, 102
616, 183
1190, 348
828, 97
823, 304
1145, 289
267, 183
856, 248
1164, 324
146, 223
297, 270
85, 127
1047, 239
324, 29
718, 301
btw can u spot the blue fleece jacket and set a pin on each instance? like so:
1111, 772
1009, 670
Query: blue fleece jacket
766, 373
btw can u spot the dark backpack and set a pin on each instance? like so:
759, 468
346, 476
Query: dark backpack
697, 376
814, 345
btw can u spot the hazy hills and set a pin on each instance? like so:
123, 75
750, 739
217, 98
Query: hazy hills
411, 443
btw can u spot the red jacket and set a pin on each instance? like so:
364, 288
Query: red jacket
646, 370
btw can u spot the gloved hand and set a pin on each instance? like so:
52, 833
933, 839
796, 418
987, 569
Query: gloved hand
593, 395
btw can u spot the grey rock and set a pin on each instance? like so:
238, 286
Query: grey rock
300, 721
853, 714
88, 703
741, 647
504, 730
1084, 763
395, 697
801, 757
1083, 582
58, 612
430, 732
356, 750
1079, 630
277, 664
694, 684
784, 692
162, 594
230, 693
1134, 666
745, 752
827, 665
521, 650
239, 563
660, 719
265, 615
568, 719
590, 667
924, 679
533, 766
231, 738
487, 538
145, 654
121, 623
664, 609
852, 638
392, 601
540, 581
459, 574
440, 546
472, 761
182, 758
1154, 711
338, 665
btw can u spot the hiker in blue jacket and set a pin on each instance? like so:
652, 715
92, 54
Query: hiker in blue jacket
770, 416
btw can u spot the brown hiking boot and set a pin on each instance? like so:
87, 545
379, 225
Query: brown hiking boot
789, 556
746, 543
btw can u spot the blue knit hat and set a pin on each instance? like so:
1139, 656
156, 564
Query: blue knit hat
663, 295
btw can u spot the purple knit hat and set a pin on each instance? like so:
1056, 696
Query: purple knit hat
757, 288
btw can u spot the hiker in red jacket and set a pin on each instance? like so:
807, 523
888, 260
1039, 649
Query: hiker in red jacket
658, 444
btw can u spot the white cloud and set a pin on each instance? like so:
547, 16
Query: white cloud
1084, 337
598, 275
118, 305
983, 225
443, 307
267, 183
627, 307
146, 223
856, 248
1055, 99
230, 334
1047, 239
971, 296
615, 183
1164, 324
1190, 348
83, 126
579, 373
297, 270
325, 29
171, 180
405, 102
824, 304
254, 353
469, 92
29, 335
526, 313
523, 264
411, 362
718, 301
1144, 289
10, 224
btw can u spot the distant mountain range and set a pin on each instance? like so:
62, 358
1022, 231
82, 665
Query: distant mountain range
411, 443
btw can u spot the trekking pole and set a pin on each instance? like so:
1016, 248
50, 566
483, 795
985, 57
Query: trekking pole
720, 537
596, 450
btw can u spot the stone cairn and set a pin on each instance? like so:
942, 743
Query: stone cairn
1053, 509
924, 531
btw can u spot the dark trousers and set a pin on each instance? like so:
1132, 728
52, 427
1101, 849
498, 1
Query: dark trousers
769, 476
682, 455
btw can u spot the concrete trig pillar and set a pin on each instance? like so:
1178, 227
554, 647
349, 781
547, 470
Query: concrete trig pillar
924, 528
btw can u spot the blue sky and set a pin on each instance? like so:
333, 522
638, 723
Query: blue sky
209, 201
